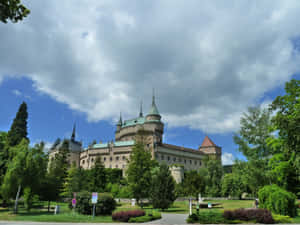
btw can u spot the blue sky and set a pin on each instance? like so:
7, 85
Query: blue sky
208, 61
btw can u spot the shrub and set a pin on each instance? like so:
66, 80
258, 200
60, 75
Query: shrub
277, 200
124, 216
105, 205
146, 218
282, 219
207, 217
259, 215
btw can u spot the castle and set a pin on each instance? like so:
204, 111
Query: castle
116, 154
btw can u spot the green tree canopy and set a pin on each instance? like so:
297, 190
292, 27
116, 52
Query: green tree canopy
12, 10
97, 177
139, 171
18, 129
253, 134
162, 193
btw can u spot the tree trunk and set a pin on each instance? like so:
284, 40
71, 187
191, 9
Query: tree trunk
48, 206
17, 199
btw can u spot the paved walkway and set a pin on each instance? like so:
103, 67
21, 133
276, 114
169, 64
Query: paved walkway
170, 218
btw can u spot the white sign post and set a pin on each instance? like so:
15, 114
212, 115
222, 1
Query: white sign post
94, 201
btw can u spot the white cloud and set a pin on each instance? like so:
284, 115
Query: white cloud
208, 61
227, 158
16, 92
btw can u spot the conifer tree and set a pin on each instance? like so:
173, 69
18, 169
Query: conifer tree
139, 172
162, 193
18, 129
97, 177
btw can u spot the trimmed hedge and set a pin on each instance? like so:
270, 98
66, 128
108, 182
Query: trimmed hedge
124, 216
257, 215
282, 219
146, 218
206, 217
105, 205
277, 200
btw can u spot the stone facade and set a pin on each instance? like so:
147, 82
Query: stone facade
150, 129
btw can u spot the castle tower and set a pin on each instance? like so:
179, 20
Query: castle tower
119, 124
73, 133
153, 113
209, 148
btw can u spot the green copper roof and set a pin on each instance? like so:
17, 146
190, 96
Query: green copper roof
104, 145
153, 110
139, 120
123, 143
117, 144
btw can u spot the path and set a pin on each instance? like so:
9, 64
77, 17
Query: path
170, 218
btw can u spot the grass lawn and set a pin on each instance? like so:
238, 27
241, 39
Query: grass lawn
40, 214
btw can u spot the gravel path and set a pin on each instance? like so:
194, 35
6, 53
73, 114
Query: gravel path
170, 218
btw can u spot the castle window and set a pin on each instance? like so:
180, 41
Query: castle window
200, 163
168, 158
104, 159
190, 161
174, 159
124, 158
162, 157
117, 158
148, 145
83, 161
110, 158
92, 159
195, 162
184, 160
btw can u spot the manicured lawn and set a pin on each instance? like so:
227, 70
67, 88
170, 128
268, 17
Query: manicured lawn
40, 214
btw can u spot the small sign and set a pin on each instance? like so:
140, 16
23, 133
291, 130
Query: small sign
74, 202
94, 197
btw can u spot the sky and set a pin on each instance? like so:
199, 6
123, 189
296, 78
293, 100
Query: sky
86, 61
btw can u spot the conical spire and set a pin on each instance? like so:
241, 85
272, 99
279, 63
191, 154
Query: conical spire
73, 133
153, 110
120, 120
141, 109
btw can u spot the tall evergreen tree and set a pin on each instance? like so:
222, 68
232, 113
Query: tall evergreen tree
97, 177
139, 172
18, 129
162, 194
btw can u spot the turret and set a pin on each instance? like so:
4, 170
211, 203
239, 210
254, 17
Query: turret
153, 113
73, 133
119, 124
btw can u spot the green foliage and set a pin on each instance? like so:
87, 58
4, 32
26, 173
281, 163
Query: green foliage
29, 198
57, 172
253, 134
207, 217
97, 177
277, 200
232, 185
113, 175
162, 193
214, 176
282, 219
146, 218
3, 155
12, 10
18, 129
139, 172
287, 143
75, 181
105, 205
194, 182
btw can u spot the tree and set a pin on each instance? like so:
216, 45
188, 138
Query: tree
194, 182
97, 177
162, 194
3, 155
26, 170
287, 143
253, 134
18, 129
12, 10
75, 181
139, 171
58, 171
214, 176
